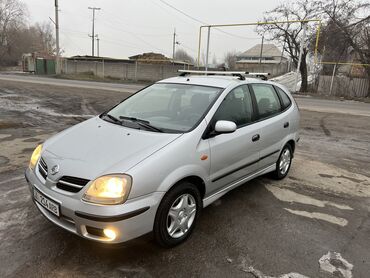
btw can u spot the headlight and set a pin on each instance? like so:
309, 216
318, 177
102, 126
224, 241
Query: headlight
35, 156
109, 190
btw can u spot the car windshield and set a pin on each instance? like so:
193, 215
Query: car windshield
166, 107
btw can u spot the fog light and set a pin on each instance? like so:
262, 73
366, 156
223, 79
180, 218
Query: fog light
109, 234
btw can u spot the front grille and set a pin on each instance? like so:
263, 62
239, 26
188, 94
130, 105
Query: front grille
43, 168
71, 184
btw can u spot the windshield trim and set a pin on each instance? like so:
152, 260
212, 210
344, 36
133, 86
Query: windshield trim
172, 131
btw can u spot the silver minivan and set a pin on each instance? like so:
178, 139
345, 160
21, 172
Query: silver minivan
152, 162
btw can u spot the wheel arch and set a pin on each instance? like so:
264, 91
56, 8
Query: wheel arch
197, 181
291, 142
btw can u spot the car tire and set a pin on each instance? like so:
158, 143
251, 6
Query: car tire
284, 162
177, 214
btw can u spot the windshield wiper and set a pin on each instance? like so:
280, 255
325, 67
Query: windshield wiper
142, 123
112, 118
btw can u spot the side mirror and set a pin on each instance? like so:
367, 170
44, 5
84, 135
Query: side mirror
225, 127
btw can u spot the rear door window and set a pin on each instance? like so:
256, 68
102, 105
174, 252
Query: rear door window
267, 100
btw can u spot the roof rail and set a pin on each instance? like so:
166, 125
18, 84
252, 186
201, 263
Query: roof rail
261, 75
240, 74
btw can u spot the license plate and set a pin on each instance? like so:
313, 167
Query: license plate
50, 205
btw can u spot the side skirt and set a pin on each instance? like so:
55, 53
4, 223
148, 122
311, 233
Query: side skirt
210, 199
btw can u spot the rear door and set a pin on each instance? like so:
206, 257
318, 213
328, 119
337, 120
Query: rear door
274, 119
235, 155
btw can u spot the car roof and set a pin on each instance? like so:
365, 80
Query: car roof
203, 80
219, 81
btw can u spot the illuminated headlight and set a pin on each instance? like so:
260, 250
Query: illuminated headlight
109, 190
35, 156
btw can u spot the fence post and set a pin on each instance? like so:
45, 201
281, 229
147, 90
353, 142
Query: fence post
332, 79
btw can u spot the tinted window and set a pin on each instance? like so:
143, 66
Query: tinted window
285, 99
170, 107
236, 107
268, 102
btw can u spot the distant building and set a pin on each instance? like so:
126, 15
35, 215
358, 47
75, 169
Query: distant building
271, 54
38, 62
150, 56
270, 61
156, 58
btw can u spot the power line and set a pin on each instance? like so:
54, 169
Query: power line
187, 15
105, 38
134, 35
72, 42
202, 22
169, 12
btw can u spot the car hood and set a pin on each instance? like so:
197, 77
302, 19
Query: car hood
96, 147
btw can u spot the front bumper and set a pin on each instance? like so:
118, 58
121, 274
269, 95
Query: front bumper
130, 220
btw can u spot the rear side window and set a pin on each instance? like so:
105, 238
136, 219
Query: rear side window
267, 100
284, 98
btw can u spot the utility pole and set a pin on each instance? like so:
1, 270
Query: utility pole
57, 58
261, 53
174, 42
93, 30
97, 42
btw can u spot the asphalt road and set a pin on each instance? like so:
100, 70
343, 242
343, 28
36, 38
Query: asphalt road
26, 78
315, 223
307, 103
349, 107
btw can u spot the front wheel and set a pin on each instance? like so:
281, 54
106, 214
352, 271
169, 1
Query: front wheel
177, 214
284, 162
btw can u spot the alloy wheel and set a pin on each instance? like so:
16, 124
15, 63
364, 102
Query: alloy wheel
181, 216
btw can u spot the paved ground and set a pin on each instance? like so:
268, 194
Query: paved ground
26, 78
314, 223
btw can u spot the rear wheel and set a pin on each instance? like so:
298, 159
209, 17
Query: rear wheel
284, 162
177, 214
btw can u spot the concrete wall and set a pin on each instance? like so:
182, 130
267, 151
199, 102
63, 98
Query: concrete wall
125, 71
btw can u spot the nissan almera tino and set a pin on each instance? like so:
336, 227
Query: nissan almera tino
152, 162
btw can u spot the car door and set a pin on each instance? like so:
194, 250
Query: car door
274, 120
234, 155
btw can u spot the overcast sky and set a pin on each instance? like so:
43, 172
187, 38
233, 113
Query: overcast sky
130, 27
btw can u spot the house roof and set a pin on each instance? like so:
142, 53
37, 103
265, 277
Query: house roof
149, 56
268, 50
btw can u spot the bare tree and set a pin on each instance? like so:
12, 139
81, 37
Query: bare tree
230, 59
290, 34
346, 34
13, 15
333, 45
182, 55
44, 40
214, 60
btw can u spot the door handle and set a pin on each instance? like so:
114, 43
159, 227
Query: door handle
256, 137
286, 124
